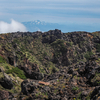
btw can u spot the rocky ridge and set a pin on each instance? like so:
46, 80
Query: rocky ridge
50, 66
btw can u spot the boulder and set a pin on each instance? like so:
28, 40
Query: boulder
7, 82
28, 86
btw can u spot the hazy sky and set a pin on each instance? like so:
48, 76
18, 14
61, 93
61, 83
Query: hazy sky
85, 12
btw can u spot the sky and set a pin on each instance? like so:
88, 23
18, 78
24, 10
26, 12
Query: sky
69, 12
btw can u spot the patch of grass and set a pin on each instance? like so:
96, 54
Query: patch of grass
98, 60
98, 47
16, 41
88, 55
88, 97
96, 79
5, 66
51, 67
55, 91
75, 88
16, 70
2, 60
59, 44
59, 47
69, 43
57, 80
79, 96
44, 54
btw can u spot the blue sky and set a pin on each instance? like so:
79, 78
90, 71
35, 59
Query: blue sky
72, 12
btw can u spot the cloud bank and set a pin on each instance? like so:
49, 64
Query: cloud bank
14, 26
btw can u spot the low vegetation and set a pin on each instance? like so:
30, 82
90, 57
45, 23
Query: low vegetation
16, 70
2, 60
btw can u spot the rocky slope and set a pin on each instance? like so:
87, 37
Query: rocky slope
50, 66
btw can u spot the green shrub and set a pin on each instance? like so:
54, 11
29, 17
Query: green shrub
44, 54
2, 60
75, 88
17, 71
88, 55
59, 48
98, 47
69, 43
6, 67
16, 41
59, 44
79, 96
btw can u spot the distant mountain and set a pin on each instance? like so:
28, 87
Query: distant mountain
38, 25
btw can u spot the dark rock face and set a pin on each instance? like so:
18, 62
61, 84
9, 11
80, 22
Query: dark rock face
28, 86
32, 74
7, 82
11, 61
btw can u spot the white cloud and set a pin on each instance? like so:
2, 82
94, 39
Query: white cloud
14, 26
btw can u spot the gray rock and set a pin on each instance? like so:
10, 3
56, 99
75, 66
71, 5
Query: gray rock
28, 86
7, 82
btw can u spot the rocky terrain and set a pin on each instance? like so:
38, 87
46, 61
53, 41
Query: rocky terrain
50, 66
